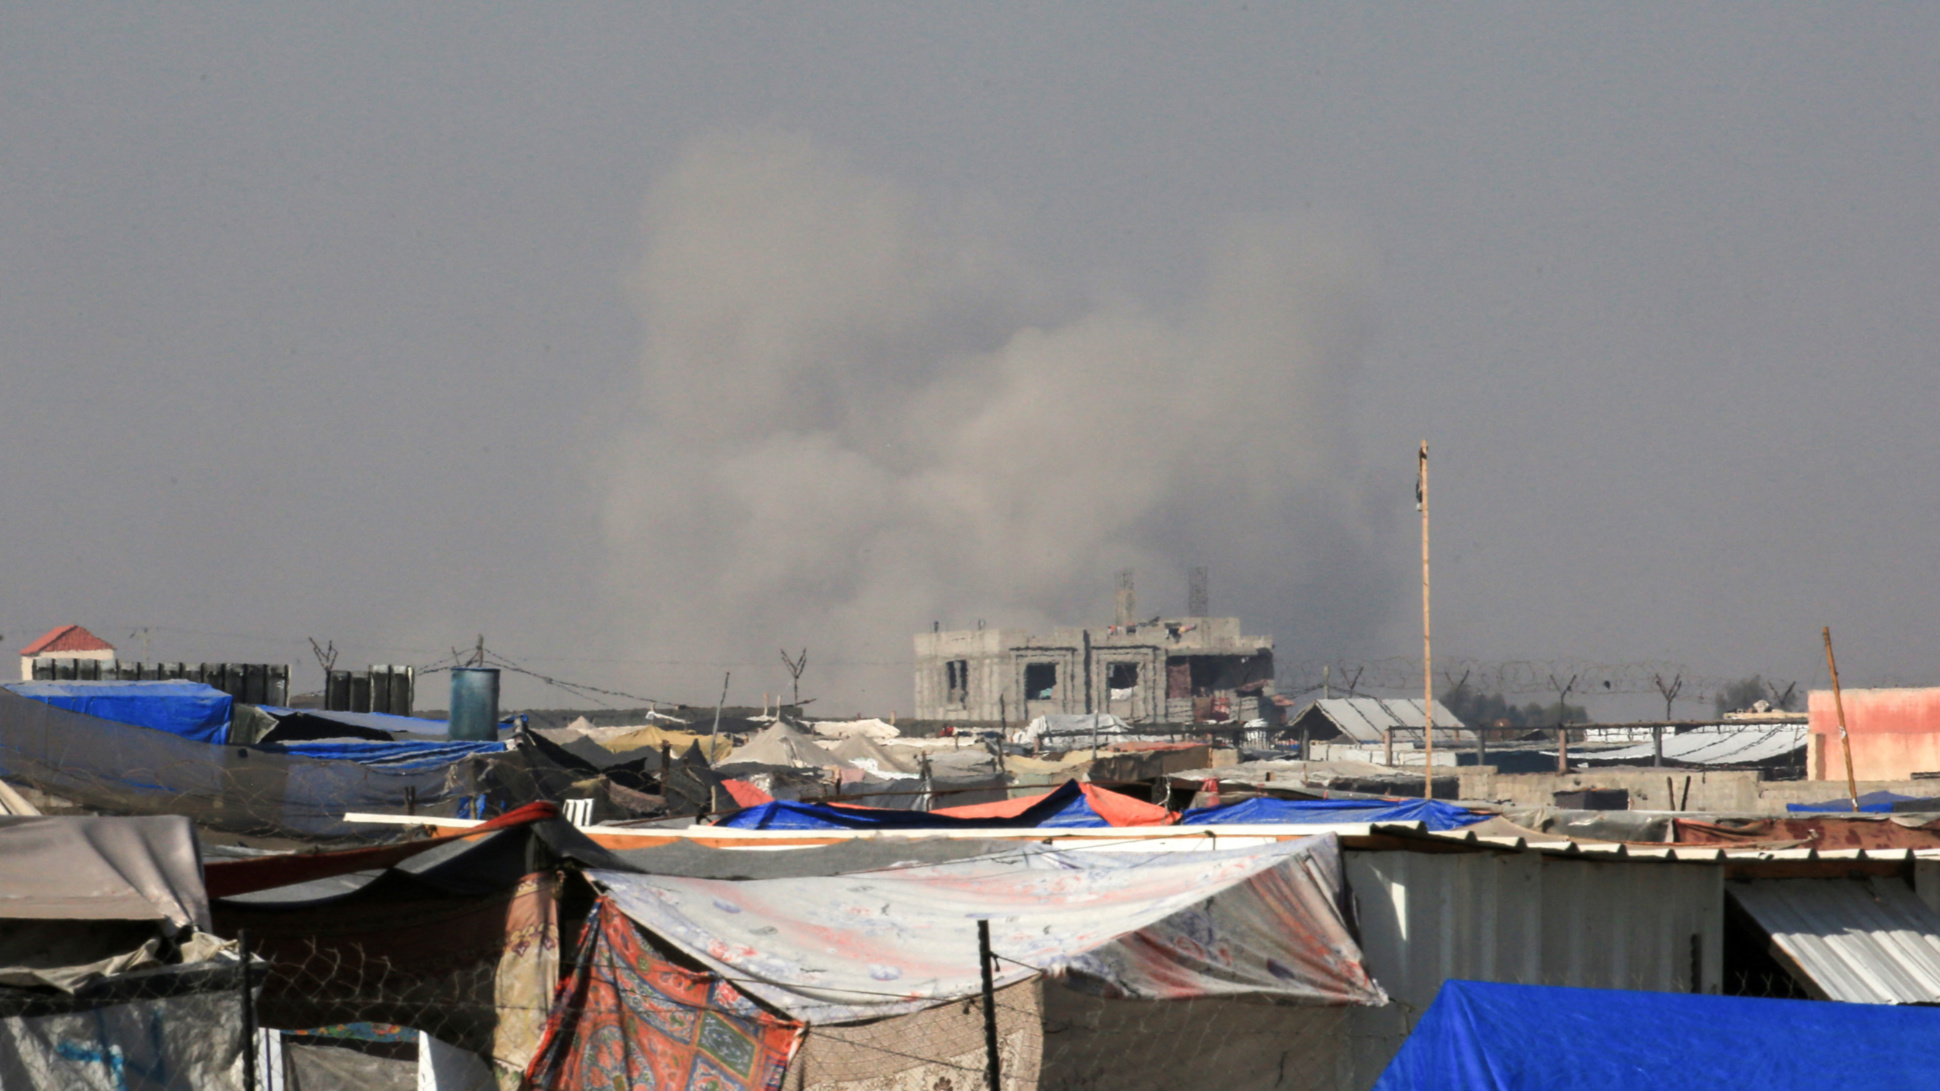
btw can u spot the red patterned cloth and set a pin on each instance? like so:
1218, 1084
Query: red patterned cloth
628, 1021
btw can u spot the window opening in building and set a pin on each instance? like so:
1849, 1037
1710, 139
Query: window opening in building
1121, 675
956, 677
1040, 681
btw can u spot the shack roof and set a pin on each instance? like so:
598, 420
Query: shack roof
1370, 719
66, 638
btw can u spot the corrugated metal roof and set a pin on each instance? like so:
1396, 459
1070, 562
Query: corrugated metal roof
1367, 719
1726, 744
1864, 942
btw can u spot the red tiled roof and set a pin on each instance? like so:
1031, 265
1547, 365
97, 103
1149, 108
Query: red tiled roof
66, 638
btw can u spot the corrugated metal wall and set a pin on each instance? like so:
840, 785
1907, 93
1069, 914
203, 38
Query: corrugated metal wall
1527, 918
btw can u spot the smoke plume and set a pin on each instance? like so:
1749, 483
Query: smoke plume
860, 413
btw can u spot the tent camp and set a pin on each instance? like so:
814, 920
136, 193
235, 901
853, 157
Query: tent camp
109, 977
1478, 1036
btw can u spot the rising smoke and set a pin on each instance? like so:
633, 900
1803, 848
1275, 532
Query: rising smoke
859, 413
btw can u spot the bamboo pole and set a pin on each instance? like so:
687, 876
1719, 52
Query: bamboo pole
1427, 645
1839, 704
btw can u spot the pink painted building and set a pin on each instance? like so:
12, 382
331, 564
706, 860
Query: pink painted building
1895, 733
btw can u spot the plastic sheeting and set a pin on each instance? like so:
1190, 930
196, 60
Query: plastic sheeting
1064, 806
1116, 809
1263, 922
401, 756
189, 709
1870, 803
135, 770
1434, 813
1491, 1037
154, 1030
81, 868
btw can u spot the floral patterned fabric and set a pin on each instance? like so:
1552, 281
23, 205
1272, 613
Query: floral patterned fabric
628, 1021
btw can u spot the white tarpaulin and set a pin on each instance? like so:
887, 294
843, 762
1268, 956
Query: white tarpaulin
856, 729
1263, 921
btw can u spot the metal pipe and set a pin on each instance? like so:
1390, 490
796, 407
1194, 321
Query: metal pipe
988, 962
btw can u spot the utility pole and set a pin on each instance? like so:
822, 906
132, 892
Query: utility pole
1839, 704
1427, 645
716, 729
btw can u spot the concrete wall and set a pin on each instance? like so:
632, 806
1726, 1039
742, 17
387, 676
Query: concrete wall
1732, 791
27, 662
1894, 733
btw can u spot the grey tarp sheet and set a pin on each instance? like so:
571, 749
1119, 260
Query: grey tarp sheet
136, 770
83, 868
177, 1028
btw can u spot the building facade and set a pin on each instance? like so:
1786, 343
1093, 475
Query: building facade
1161, 671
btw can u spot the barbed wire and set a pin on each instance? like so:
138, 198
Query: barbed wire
1519, 676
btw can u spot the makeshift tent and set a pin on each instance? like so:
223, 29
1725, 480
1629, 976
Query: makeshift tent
156, 1029
855, 729
1264, 922
402, 756
1067, 805
1871, 803
1114, 808
1073, 729
300, 724
878, 760
106, 980
780, 744
1479, 1036
1435, 813
628, 1019
126, 769
189, 709
460, 940
629, 741
87, 897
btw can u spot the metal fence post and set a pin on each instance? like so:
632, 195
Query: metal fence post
248, 1014
989, 1006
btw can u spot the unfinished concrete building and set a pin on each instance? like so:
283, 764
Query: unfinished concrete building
1153, 671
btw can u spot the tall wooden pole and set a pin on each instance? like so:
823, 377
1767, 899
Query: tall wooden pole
1427, 644
1839, 704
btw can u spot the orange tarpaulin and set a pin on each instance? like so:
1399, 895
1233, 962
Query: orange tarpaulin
1119, 810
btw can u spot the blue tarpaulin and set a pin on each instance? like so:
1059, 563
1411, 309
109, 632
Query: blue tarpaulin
1480, 1036
189, 709
1065, 806
407, 756
1872, 802
1314, 812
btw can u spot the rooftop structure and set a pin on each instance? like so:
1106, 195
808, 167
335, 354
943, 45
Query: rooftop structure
1162, 670
65, 642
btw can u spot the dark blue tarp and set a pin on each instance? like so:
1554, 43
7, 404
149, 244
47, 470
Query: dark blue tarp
1872, 802
1065, 806
369, 721
389, 755
189, 709
1479, 1036
1438, 815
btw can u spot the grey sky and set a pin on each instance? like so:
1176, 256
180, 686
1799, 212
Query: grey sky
326, 320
